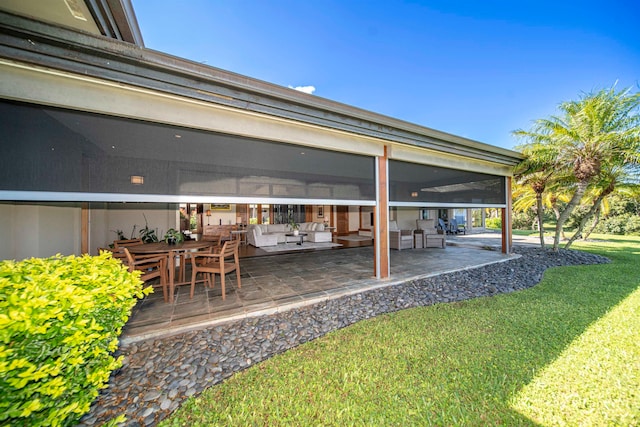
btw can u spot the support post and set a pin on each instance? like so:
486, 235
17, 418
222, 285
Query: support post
507, 233
381, 216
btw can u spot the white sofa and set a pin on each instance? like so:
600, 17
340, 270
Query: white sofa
271, 234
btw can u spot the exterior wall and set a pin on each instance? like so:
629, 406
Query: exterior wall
44, 230
7, 231
104, 221
39, 231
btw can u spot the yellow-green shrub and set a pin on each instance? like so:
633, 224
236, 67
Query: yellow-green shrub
60, 319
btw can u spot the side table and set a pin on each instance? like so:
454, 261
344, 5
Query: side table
418, 239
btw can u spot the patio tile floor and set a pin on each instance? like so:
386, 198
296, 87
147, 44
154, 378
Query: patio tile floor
276, 283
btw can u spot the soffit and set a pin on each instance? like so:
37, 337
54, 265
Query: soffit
111, 18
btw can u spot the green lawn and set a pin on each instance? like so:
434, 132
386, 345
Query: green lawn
566, 352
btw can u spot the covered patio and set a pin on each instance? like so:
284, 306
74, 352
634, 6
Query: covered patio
277, 283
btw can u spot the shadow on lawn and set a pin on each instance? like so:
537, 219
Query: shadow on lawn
543, 321
482, 352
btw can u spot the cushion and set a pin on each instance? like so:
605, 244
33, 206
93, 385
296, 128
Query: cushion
393, 226
278, 228
427, 225
319, 226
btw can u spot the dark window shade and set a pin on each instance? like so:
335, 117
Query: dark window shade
411, 182
56, 150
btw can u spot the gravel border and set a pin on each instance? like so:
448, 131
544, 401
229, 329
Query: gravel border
158, 375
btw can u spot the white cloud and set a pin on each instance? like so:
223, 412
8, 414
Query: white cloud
305, 89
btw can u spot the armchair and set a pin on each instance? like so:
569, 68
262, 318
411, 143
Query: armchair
210, 264
457, 228
431, 237
151, 266
399, 239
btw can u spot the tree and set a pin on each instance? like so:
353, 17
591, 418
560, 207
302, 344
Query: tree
599, 131
537, 174
626, 188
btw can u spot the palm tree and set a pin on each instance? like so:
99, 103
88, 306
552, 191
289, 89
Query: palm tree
537, 174
532, 184
599, 191
600, 129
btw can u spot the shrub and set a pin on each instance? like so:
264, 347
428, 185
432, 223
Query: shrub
523, 220
493, 223
622, 224
60, 319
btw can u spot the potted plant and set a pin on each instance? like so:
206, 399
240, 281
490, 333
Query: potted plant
148, 235
295, 227
173, 236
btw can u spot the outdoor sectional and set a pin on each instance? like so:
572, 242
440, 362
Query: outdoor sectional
271, 234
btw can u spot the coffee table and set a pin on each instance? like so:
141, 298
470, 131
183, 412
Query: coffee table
301, 235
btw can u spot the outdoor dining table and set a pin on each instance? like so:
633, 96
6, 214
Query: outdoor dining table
172, 252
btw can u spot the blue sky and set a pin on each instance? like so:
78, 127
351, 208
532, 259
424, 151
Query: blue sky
478, 69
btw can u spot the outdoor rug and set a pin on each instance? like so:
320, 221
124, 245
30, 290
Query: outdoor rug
287, 247
354, 238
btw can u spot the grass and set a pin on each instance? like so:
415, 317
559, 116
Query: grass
566, 352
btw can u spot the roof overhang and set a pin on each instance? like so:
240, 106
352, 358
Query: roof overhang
83, 54
115, 19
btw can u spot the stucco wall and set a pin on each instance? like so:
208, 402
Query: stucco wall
130, 218
39, 231
45, 230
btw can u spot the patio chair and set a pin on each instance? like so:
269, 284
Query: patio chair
117, 244
151, 266
457, 228
443, 226
186, 259
222, 263
432, 237
399, 239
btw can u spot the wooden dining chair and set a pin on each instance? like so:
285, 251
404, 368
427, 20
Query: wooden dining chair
118, 244
210, 264
186, 259
152, 267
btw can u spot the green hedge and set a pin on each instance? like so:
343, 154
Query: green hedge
60, 319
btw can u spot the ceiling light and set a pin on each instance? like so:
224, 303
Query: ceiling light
137, 179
